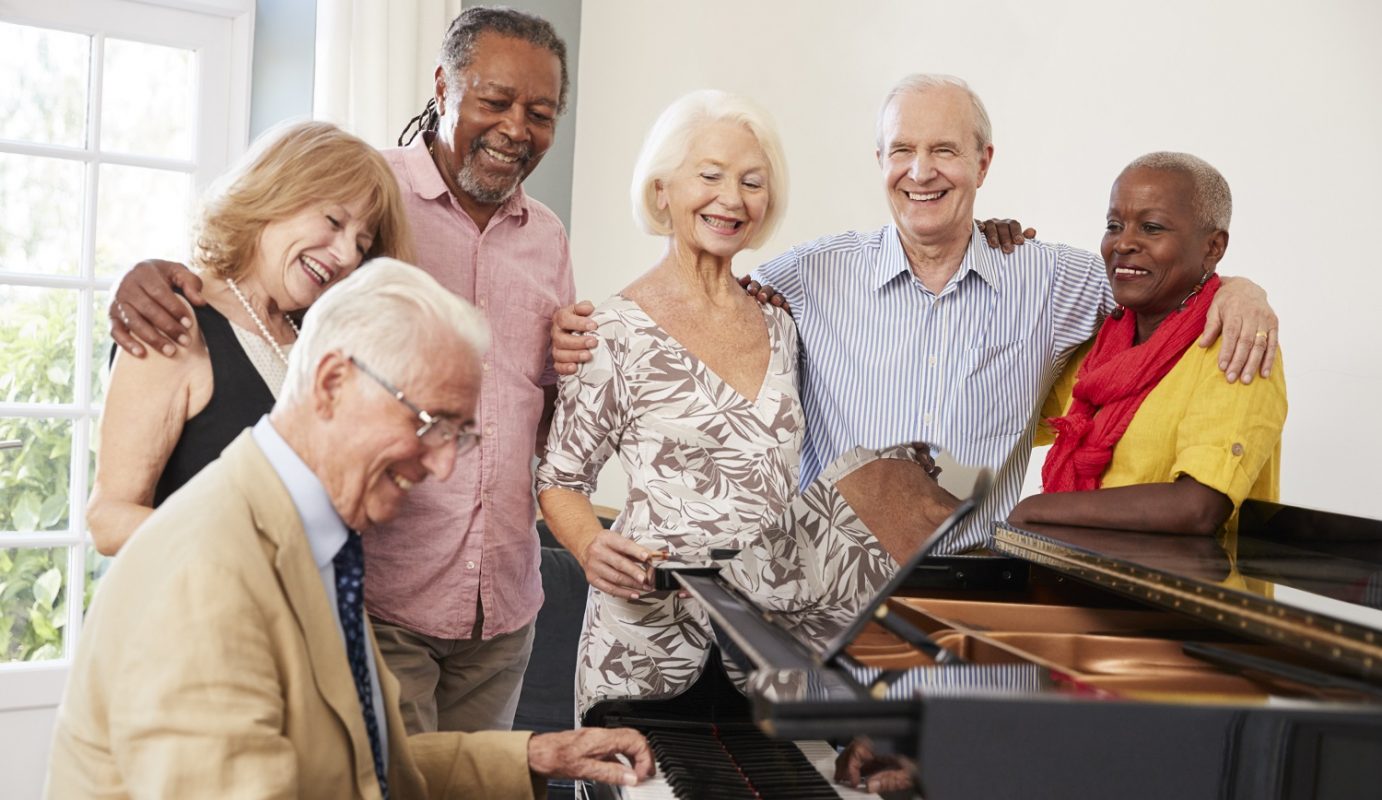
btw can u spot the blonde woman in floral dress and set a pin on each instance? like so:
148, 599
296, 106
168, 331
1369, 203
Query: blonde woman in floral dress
693, 385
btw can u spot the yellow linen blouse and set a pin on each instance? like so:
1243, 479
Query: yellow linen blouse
1225, 435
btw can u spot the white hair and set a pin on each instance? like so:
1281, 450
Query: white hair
669, 143
390, 315
1210, 197
919, 82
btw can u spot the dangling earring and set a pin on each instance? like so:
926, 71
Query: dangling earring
1203, 280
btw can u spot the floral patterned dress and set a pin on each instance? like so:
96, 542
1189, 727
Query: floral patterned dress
707, 467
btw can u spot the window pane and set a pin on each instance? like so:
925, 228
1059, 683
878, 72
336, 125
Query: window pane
148, 105
33, 603
41, 229
44, 73
97, 566
140, 213
34, 479
100, 347
37, 344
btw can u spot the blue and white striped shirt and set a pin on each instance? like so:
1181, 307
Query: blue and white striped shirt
886, 361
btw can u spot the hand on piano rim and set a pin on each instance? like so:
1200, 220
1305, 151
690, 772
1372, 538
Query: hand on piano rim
858, 766
592, 754
617, 565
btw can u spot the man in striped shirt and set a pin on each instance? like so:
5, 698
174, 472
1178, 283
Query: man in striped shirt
919, 331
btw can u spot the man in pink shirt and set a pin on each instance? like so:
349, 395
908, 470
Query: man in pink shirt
454, 578
454, 586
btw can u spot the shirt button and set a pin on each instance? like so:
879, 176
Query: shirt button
485, 366
931, 361
482, 303
1237, 449
926, 418
489, 430
470, 565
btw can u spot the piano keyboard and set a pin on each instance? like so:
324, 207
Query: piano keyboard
737, 762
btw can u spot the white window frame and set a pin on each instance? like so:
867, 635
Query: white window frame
221, 32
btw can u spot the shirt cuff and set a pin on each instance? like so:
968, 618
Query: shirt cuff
1219, 468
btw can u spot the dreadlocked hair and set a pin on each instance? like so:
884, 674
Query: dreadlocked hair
425, 121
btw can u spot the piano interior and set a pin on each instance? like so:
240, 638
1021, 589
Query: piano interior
1113, 648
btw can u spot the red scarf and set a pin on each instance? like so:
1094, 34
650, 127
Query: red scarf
1112, 383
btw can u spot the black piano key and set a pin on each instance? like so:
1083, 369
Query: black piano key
707, 761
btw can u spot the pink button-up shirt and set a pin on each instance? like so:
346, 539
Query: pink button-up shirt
472, 536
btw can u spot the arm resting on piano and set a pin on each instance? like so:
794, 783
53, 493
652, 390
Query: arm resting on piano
899, 501
1183, 506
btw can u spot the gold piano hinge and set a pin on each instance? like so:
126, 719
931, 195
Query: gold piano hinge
1350, 645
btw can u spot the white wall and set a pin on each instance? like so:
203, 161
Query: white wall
1282, 98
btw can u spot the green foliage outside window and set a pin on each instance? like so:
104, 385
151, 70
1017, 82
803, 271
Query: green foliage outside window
37, 332
33, 603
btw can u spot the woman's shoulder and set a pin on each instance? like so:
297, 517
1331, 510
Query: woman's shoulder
779, 319
185, 356
619, 317
1203, 361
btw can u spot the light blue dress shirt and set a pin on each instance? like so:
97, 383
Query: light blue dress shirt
326, 535
885, 361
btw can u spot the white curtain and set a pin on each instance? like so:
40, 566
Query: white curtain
374, 62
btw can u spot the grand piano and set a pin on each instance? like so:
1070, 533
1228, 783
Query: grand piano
1060, 662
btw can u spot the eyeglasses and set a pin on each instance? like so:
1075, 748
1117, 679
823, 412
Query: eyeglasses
434, 431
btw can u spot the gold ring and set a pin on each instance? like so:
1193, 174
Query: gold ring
1260, 335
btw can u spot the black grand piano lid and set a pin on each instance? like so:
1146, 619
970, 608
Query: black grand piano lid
1306, 579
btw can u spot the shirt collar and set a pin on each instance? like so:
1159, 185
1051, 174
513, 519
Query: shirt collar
426, 181
326, 532
892, 260
981, 259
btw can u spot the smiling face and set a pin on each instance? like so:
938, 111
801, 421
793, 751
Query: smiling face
378, 455
1155, 247
299, 257
932, 164
495, 132
718, 196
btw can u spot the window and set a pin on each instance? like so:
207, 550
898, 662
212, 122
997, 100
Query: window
115, 116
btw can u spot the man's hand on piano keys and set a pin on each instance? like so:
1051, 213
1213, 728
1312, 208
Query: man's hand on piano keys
592, 754
859, 767
617, 565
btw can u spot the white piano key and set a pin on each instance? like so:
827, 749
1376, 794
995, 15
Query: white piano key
822, 757
818, 752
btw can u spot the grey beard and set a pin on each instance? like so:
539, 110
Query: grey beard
481, 192
472, 184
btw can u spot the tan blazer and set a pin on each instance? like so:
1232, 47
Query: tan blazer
211, 666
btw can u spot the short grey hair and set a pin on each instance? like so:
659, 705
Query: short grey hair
391, 316
919, 82
1210, 197
669, 143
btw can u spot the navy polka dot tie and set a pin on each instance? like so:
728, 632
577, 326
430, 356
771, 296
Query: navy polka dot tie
350, 600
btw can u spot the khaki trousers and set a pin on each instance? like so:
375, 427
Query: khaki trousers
456, 684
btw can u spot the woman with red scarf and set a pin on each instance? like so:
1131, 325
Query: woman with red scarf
1151, 436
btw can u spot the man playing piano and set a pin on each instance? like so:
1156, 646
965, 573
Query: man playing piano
227, 653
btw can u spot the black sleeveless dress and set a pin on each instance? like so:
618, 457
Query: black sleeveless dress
239, 397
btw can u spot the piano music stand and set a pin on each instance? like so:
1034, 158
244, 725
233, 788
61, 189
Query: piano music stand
771, 646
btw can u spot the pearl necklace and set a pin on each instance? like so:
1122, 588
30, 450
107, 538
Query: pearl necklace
263, 329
